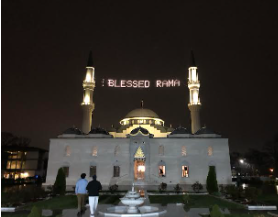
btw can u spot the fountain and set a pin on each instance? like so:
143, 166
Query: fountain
132, 208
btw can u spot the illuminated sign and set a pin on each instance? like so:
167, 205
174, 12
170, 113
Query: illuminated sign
140, 83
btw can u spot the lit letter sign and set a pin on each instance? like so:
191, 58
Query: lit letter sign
140, 83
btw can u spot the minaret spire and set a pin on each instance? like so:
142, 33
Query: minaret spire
90, 60
194, 99
88, 104
192, 59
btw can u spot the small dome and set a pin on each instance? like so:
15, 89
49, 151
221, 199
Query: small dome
170, 129
141, 112
204, 130
112, 129
180, 130
73, 130
139, 129
98, 130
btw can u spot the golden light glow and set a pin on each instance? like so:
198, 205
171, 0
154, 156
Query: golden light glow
24, 175
87, 100
271, 170
142, 120
141, 168
88, 77
139, 153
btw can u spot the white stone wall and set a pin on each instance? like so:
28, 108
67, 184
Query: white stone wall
197, 159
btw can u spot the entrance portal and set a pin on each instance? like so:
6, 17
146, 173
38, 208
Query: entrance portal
139, 164
139, 169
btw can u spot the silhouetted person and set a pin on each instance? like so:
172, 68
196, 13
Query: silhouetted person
93, 188
81, 192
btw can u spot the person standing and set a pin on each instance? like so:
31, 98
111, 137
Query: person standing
81, 192
93, 188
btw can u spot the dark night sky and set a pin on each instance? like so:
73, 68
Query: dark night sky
45, 46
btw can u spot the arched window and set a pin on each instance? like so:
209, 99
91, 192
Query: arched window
117, 150
94, 151
184, 171
209, 151
93, 169
68, 151
162, 169
161, 150
183, 151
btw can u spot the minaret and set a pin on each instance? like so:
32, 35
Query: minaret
194, 99
88, 105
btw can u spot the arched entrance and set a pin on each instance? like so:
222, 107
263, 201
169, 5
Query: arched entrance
139, 164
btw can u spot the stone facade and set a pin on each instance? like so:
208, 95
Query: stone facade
76, 152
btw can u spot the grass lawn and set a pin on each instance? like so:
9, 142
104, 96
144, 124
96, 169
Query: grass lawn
69, 202
269, 199
195, 201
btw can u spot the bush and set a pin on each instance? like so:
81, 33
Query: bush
60, 183
215, 211
162, 187
113, 188
177, 189
269, 187
212, 185
185, 198
197, 187
35, 212
251, 193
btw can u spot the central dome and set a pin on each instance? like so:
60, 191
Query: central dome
141, 112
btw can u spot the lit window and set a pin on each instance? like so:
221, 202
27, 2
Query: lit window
18, 165
68, 151
93, 170
209, 151
183, 151
66, 171
9, 164
161, 150
117, 150
162, 171
13, 165
184, 171
94, 151
116, 171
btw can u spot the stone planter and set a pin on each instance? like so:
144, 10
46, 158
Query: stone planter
261, 208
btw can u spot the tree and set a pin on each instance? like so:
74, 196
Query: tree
197, 187
8, 139
23, 141
35, 212
271, 149
60, 183
215, 211
212, 185
257, 159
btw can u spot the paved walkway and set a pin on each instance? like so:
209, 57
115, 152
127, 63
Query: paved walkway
172, 211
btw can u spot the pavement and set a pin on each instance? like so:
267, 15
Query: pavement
173, 210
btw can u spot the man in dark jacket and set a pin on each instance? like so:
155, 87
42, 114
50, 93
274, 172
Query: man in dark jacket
93, 189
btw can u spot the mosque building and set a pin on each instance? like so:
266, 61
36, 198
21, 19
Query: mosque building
142, 150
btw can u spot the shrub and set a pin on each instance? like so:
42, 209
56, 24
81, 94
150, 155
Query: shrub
269, 187
212, 185
215, 211
162, 187
35, 212
251, 193
60, 183
113, 188
177, 189
185, 198
197, 187
222, 189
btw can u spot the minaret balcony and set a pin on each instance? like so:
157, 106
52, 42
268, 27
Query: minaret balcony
194, 84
